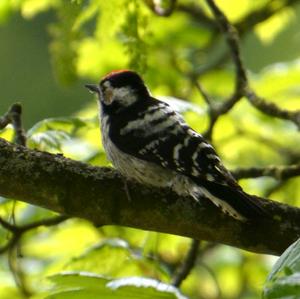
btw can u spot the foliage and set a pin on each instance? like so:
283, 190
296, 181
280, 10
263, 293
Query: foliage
284, 280
81, 285
90, 38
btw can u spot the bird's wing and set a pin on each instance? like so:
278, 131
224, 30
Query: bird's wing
162, 137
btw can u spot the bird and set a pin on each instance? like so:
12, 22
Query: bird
149, 142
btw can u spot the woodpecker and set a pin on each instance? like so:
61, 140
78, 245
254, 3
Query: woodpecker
147, 141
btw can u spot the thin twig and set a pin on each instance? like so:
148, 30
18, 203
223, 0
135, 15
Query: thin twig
241, 80
217, 111
13, 116
4, 120
188, 264
241, 85
17, 273
16, 121
233, 44
14, 249
18, 231
277, 172
257, 16
198, 14
45, 222
204, 94
244, 25
8, 226
11, 243
271, 109
274, 188
26, 227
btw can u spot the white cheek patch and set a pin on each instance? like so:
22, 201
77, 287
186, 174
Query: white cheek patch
124, 95
121, 92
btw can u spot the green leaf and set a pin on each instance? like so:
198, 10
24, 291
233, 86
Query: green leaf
102, 257
158, 289
288, 263
284, 280
67, 124
115, 258
50, 133
49, 139
77, 285
285, 288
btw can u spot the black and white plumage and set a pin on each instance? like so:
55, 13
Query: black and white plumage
146, 140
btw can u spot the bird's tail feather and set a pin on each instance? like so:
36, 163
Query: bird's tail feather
235, 202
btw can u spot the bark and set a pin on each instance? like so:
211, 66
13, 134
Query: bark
97, 194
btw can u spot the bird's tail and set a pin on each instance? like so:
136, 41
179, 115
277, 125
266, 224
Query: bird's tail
235, 202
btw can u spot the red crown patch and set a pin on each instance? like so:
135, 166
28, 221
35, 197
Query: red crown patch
113, 73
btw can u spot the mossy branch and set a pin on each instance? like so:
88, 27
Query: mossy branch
97, 194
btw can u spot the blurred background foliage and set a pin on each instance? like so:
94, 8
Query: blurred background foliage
50, 48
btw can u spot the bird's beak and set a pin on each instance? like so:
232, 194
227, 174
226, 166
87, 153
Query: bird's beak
93, 88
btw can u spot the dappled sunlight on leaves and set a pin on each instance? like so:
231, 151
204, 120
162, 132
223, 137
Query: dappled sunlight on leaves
88, 40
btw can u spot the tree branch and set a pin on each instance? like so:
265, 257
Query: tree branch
13, 116
79, 190
198, 15
278, 172
262, 14
271, 109
232, 40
